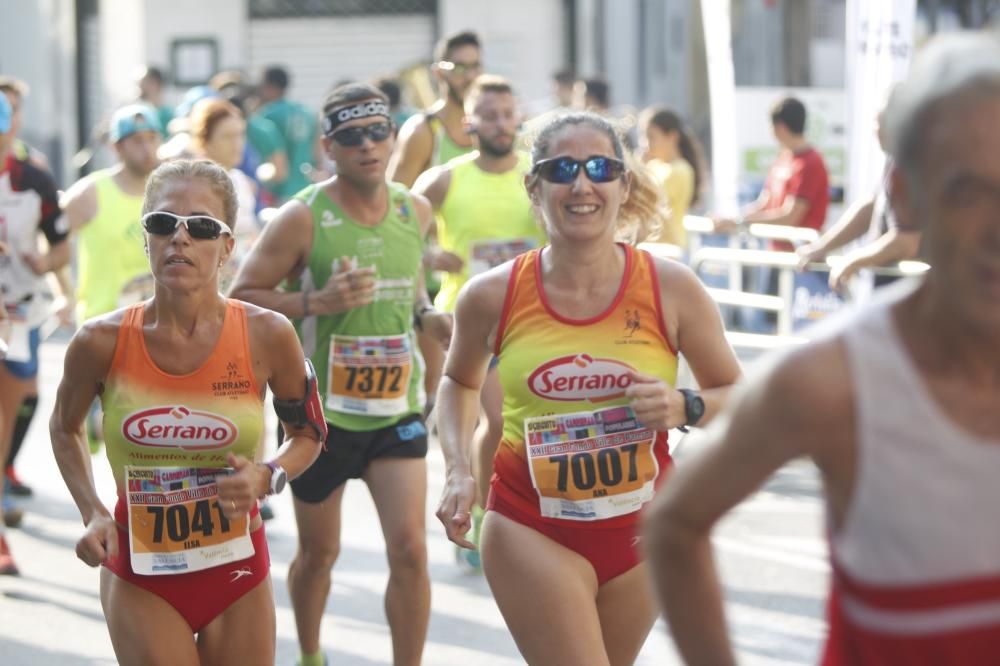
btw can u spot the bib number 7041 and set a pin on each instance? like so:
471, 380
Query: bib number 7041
179, 523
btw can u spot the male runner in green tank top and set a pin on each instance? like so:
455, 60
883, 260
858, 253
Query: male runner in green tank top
103, 210
348, 251
484, 218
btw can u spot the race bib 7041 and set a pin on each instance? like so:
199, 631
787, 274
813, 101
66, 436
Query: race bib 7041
176, 524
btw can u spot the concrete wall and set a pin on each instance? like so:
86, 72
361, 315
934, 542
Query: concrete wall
167, 20
38, 47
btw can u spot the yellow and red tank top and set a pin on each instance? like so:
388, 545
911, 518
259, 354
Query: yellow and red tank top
167, 438
572, 450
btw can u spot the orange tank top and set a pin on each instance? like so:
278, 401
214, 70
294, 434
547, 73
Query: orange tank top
155, 419
571, 444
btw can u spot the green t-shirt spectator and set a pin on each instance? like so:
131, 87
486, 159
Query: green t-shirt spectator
298, 127
264, 137
165, 114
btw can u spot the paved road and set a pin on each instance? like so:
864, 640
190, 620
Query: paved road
771, 554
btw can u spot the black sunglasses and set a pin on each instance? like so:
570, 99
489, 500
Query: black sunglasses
355, 136
564, 170
202, 227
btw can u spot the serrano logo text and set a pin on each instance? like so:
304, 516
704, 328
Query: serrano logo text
179, 427
580, 377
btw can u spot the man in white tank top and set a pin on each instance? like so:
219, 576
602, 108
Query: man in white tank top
899, 408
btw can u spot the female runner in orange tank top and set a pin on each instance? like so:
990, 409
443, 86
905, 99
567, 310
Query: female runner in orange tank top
571, 584
188, 343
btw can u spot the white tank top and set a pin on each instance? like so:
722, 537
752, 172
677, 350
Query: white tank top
918, 553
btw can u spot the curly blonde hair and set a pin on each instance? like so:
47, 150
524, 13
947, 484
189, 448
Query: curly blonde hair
645, 211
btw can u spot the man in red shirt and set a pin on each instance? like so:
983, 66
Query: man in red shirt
797, 190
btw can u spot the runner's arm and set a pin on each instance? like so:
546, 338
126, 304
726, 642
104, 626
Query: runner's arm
413, 151
795, 409
433, 184
79, 203
86, 364
694, 329
477, 315
438, 325
701, 336
279, 253
275, 337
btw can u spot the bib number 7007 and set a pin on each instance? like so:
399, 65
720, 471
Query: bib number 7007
608, 468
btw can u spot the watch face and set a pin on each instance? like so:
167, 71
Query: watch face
694, 407
697, 408
279, 481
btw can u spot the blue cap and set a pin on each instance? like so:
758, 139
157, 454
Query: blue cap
6, 114
192, 97
131, 119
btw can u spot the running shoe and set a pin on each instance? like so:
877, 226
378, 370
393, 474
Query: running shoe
15, 486
7, 566
12, 516
471, 558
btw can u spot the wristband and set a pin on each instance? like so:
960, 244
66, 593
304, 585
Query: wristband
417, 323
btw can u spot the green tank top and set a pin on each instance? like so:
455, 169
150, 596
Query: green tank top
486, 219
115, 232
445, 150
366, 361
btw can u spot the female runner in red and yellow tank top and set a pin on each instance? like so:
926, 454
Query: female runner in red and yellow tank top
181, 379
587, 331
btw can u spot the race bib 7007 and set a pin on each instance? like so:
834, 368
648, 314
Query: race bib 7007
591, 465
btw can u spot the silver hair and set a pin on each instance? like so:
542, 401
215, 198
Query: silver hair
947, 67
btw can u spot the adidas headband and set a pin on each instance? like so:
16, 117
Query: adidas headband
337, 117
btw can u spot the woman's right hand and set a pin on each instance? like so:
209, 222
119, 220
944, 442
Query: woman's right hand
100, 542
454, 509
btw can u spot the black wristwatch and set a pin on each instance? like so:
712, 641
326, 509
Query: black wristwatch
418, 316
694, 409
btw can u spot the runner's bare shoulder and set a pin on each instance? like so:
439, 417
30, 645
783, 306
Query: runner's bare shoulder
93, 345
267, 326
810, 395
482, 298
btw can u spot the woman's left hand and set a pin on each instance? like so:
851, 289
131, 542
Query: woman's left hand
239, 491
656, 404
